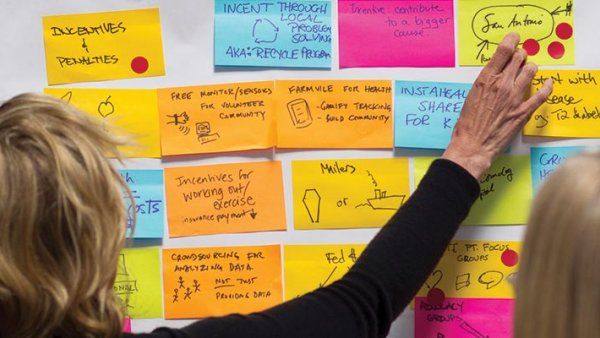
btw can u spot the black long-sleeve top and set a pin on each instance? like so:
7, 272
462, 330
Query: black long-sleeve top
381, 283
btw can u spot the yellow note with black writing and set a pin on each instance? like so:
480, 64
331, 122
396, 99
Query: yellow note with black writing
573, 108
505, 195
348, 193
103, 46
129, 113
308, 267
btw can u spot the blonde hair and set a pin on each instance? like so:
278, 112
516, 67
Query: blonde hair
558, 286
62, 222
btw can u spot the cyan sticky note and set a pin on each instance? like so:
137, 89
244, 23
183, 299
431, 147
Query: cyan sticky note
544, 160
273, 33
147, 189
425, 112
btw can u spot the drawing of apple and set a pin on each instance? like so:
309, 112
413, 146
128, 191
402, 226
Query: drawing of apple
106, 107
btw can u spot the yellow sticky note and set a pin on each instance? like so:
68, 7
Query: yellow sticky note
138, 282
476, 269
103, 46
506, 192
308, 267
545, 26
573, 108
334, 114
203, 282
225, 198
132, 113
207, 119
348, 193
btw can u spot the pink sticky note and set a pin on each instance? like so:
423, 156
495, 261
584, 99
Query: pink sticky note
464, 317
394, 33
127, 325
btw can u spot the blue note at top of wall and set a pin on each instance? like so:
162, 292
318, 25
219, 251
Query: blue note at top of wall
147, 188
425, 112
273, 33
544, 160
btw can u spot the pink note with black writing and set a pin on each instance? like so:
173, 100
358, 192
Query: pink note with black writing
408, 33
464, 317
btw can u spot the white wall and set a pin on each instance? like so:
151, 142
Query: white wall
187, 27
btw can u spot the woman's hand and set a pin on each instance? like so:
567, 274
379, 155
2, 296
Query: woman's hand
495, 109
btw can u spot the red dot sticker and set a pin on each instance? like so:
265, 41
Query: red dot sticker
436, 297
531, 46
510, 257
556, 50
564, 31
139, 64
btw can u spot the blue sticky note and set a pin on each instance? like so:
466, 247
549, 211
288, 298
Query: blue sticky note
544, 160
273, 33
425, 112
147, 188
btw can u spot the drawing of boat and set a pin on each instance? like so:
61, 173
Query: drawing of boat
382, 201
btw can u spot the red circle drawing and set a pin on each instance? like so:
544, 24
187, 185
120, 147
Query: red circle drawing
531, 46
564, 31
556, 50
139, 64
509, 257
436, 297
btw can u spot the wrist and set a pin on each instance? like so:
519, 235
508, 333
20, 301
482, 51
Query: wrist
473, 161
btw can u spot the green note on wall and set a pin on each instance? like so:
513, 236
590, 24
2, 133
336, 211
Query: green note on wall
138, 282
505, 195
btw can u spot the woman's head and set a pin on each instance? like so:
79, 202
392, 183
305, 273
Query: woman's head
62, 221
558, 288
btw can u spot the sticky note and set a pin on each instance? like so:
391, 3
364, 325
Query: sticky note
464, 317
138, 282
348, 193
573, 108
147, 190
475, 269
309, 267
225, 198
103, 46
128, 113
400, 33
203, 282
295, 33
127, 325
425, 112
334, 114
207, 119
506, 193
546, 29
544, 160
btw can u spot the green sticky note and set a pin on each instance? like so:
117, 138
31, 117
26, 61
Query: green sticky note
506, 193
138, 282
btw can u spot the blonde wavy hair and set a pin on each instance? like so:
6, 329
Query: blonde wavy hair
62, 222
558, 286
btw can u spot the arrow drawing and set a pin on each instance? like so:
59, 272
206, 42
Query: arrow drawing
568, 9
264, 31
485, 44
328, 277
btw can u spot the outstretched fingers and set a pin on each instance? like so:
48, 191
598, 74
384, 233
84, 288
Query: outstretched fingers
536, 100
503, 55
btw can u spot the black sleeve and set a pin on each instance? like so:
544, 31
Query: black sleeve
380, 284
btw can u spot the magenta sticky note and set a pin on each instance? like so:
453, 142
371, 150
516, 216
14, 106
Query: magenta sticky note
127, 325
394, 33
464, 317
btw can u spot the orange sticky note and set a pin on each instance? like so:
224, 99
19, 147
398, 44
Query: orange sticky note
225, 198
334, 114
202, 282
215, 118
